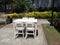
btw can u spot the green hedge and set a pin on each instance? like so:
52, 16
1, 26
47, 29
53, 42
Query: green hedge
46, 14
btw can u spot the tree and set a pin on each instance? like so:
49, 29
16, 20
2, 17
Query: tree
0, 0
21, 4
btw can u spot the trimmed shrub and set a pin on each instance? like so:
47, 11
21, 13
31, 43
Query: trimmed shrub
45, 14
15, 15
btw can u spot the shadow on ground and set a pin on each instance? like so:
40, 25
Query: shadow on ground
2, 24
29, 36
57, 28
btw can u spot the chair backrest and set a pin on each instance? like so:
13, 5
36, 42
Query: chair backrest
30, 25
19, 26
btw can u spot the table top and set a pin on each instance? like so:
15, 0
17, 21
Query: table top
25, 20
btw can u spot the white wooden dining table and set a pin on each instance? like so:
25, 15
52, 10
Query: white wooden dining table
23, 20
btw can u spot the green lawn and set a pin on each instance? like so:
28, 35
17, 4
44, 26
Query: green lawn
52, 35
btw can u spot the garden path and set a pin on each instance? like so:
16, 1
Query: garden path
6, 37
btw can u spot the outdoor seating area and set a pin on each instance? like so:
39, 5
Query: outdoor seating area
25, 26
29, 22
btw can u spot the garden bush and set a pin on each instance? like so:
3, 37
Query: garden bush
58, 15
15, 15
41, 9
45, 14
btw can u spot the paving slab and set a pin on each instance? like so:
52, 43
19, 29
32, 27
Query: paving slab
43, 21
7, 37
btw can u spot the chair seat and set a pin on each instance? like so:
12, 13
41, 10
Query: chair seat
30, 29
20, 33
20, 28
29, 33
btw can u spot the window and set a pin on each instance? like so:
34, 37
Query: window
8, 6
31, 1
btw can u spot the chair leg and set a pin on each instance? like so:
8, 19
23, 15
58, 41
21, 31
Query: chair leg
34, 35
15, 35
23, 35
26, 36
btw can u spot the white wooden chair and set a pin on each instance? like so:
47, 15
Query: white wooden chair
19, 29
30, 29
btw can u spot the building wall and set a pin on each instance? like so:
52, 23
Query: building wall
46, 3
6, 6
57, 3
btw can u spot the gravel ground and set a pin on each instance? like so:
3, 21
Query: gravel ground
7, 37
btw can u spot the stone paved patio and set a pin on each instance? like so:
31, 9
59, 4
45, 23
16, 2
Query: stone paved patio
6, 37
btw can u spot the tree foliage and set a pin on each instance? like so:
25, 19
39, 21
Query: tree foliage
20, 3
